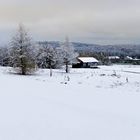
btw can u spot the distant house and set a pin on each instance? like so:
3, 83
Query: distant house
128, 58
131, 60
114, 59
125, 60
85, 62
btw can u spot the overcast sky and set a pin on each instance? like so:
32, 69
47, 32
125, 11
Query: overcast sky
91, 21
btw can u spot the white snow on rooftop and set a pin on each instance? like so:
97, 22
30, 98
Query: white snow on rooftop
114, 57
129, 58
88, 59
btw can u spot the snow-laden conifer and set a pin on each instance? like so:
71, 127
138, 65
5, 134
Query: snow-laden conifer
22, 54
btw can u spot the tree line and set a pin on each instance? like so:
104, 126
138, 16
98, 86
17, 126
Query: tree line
26, 56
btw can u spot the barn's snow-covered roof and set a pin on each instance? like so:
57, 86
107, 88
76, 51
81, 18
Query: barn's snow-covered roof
88, 59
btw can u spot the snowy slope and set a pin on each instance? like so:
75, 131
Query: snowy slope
87, 104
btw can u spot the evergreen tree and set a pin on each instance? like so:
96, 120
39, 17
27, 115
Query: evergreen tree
67, 53
22, 55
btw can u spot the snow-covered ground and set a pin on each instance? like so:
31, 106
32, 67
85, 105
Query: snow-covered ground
87, 104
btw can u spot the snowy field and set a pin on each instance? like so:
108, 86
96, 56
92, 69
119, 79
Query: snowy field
87, 104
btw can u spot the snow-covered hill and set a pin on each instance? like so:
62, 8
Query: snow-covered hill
87, 104
124, 49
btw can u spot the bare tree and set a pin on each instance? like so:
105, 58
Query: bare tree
22, 54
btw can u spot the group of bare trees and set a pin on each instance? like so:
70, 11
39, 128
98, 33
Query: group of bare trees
25, 56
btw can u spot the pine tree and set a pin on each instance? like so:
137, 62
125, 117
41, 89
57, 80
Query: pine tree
22, 54
68, 53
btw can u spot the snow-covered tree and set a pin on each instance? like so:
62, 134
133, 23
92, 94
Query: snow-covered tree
4, 56
22, 55
48, 58
68, 53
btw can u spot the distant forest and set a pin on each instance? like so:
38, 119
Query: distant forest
108, 50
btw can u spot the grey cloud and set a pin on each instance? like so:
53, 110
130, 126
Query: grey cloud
94, 21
